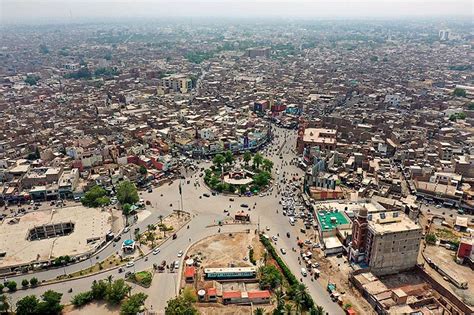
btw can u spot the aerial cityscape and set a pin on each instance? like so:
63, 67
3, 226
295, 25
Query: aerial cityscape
235, 165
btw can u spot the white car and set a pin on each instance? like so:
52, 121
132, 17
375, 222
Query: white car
130, 264
180, 253
283, 251
274, 238
126, 229
156, 251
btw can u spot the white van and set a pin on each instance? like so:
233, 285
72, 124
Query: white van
304, 272
292, 221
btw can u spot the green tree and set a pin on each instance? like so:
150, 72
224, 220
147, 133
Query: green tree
143, 170
470, 106
218, 160
431, 238
24, 283
229, 157
288, 308
189, 295
261, 179
11, 285
133, 304
127, 193
247, 157
259, 311
31, 79
318, 310
92, 198
34, 282
270, 277
82, 298
267, 165
243, 189
279, 298
459, 92
126, 209
4, 305
27, 305
117, 291
179, 306
99, 289
257, 160
51, 303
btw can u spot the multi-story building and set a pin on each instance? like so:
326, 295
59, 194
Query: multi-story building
177, 83
258, 52
325, 139
388, 242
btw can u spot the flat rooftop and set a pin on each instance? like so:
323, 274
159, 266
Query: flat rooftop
391, 222
330, 220
89, 223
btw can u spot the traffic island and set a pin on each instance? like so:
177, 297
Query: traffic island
239, 177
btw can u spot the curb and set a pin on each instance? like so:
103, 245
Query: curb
46, 283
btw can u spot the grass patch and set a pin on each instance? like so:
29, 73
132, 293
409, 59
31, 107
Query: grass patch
142, 278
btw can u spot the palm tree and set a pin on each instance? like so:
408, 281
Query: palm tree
259, 311
279, 298
247, 157
267, 165
288, 309
257, 160
318, 310
109, 279
229, 157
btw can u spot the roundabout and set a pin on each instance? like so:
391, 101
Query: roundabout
238, 176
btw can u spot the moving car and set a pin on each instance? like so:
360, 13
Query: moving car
180, 253
206, 195
130, 264
156, 251
283, 251
244, 205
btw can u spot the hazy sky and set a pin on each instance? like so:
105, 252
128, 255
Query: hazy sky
17, 11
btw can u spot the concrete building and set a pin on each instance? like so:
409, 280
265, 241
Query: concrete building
325, 139
389, 241
177, 83
258, 52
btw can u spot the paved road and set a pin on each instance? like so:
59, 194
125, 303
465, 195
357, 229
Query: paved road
206, 211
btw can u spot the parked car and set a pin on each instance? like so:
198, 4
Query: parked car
283, 251
244, 205
206, 195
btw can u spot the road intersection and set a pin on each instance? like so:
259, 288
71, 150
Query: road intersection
205, 212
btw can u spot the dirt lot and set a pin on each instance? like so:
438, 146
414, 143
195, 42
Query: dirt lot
444, 257
335, 270
219, 309
222, 250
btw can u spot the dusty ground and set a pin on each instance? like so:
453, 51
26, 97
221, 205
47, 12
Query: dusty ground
174, 221
89, 223
335, 270
444, 257
219, 309
222, 250
95, 308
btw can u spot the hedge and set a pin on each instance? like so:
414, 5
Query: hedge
290, 277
